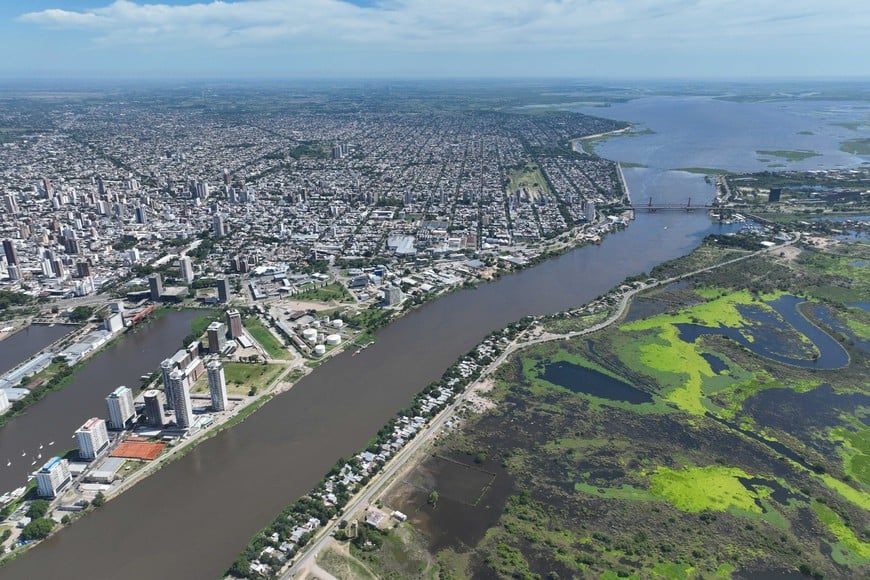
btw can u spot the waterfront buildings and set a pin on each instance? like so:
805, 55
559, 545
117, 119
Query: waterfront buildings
114, 322
166, 368
234, 323
217, 337
217, 385
4, 401
53, 477
393, 296
153, 408
92, 438
155, 286
121, 409
181, 400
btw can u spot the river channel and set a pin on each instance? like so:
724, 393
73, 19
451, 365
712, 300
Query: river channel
27, 342
192, 518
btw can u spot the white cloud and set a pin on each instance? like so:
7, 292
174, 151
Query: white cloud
455, 25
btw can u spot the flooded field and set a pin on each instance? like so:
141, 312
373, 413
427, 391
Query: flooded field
715, 432
470, 500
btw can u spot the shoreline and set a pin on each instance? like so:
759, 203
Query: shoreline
547, 249
408, 455
238, 415
579, 140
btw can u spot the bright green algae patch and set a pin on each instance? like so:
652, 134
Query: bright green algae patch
653, 346
859, 498
716, 488
855, 450
846, 536
677, 364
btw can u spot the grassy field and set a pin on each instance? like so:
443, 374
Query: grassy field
50, 371
330, 293
242, 377
263, 336
201, 322
789, 155
529, 178
343, 567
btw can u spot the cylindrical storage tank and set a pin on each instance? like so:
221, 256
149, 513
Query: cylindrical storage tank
319, 350
338, 323
333, 339
316, 324
309, 334
325, 320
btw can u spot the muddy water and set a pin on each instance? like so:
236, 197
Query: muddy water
215, 498
27, 342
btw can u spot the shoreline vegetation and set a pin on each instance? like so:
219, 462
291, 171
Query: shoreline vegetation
612, 306
751, 477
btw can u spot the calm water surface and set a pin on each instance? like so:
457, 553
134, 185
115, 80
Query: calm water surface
27, 342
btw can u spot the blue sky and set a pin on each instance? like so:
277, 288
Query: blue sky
434, 38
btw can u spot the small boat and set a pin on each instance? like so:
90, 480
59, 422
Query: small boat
50, 444
356, 352
32, 464
40, 446
39, 456
23, 453
9, 463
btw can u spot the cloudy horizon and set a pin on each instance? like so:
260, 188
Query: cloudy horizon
435, 38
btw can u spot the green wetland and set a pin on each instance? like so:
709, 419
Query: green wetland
720, 430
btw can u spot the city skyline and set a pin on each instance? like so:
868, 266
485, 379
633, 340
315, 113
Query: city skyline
411, 39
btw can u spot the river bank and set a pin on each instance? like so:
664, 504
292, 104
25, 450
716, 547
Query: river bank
613, 306
330, 412
607, 467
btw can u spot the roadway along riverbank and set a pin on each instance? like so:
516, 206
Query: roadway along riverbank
380, 482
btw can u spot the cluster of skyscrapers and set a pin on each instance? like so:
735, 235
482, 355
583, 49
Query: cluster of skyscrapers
179, 373
92, 439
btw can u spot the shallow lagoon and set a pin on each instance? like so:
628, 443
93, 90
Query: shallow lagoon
776, 337
580, 379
